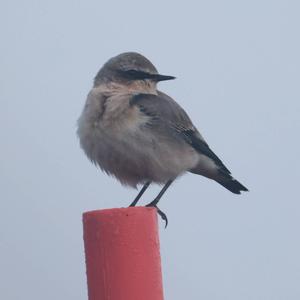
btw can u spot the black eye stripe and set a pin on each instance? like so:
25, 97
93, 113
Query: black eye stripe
136, 75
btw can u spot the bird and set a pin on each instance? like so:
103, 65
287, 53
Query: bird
140, 135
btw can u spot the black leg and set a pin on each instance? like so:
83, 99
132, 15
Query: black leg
156, 200
142, 191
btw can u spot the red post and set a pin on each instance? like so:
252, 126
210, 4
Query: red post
122, 254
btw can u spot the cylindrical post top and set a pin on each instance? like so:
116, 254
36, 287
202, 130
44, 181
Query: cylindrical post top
122, 254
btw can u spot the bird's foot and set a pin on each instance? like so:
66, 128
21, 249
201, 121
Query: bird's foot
161, 213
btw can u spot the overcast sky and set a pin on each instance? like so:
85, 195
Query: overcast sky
237, 67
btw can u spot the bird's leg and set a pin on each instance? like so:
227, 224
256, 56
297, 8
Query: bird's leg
156, 200
142, 191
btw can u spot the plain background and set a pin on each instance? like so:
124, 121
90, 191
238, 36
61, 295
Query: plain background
237, 67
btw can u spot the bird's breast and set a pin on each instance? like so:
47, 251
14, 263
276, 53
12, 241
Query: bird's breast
120, 117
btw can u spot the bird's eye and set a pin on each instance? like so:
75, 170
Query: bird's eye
135, 74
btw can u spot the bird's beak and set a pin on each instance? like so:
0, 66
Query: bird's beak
159, 77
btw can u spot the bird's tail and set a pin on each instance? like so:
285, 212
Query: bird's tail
232, 185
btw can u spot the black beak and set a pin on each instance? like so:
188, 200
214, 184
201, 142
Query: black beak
141, 75
159, 77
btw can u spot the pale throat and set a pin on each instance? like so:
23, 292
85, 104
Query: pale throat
134, 87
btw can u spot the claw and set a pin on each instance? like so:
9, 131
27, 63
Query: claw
161, 214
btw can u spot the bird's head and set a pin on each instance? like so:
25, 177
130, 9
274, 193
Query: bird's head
129, 69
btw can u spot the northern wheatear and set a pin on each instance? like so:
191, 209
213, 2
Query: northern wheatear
140, 135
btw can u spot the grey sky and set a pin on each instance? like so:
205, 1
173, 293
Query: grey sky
237, 67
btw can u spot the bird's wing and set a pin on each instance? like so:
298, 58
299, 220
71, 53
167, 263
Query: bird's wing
162, 110
166, 116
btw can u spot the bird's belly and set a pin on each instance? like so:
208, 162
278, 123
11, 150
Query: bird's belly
134, 158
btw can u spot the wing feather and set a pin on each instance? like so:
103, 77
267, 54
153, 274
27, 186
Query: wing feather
167, 114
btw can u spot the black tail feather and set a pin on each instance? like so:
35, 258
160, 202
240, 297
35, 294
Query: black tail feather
233, 185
